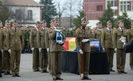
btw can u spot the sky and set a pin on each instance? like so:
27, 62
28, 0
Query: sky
76, 6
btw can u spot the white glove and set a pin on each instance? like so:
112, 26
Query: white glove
124, 44
85, 40
115, 49
123, 39
32, 49
80, 51
48, 50
2, 51
56, 29
9, 51
40, 49
60, 43
103, 49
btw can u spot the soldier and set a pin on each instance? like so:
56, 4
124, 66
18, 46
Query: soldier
98, 31
74, 31
23, 32
35, 47
83, 38
47, 45
66, 32
16, 45
55, 51
42, 47
1, 63
27, 44
6, 54
130, 38
107, 44
119, 38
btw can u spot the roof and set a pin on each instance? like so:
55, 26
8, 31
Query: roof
21, 3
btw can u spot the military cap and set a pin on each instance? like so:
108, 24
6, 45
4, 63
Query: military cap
98, 23
109, 22
120, 21
38, 22
55, 19
43, 21
7, 21
14, 21
83, 19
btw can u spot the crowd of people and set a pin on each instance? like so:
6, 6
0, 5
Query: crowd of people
47, 51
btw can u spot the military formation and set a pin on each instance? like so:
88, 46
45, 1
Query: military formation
43, 43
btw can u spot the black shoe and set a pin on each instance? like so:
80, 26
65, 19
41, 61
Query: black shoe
123, 72
111, 70
2, 71
37, 70
59, 78
0, 75
8, 73
87, 78
119, 72
13, 75
44, 71
5, 73
17, 75
54, 79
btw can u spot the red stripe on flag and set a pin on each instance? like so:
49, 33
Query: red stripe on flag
66, 44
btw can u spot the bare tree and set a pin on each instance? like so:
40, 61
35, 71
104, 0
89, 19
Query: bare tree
61, 10
70, 8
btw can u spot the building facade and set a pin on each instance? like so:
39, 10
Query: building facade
95, 8
26, 12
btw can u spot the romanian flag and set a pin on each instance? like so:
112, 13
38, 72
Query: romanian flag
70, 44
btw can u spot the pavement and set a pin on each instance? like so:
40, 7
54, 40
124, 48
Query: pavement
28, 75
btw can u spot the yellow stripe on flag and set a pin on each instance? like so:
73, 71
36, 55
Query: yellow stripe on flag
72, 44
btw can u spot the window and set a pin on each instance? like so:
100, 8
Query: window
125, 6
99, 7
111, 2
30, 15
132, 5
19, 14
